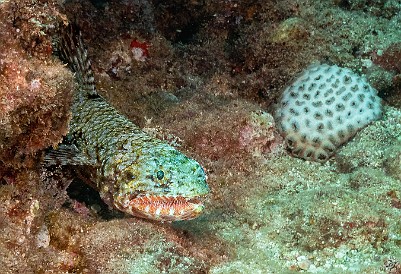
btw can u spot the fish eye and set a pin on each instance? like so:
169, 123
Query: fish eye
160, 174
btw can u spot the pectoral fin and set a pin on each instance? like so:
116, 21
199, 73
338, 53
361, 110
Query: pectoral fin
66, 155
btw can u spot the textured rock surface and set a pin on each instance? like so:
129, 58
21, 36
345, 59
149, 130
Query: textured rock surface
35, 92
213, 69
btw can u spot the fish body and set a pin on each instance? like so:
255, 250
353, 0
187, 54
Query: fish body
133, 172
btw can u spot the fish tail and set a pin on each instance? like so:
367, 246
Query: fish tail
73, 51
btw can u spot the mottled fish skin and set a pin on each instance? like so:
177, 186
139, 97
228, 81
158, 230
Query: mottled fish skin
134, 172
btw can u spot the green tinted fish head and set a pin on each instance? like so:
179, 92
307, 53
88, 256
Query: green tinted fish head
162, 184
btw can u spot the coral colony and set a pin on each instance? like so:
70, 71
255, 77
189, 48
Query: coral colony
323, 108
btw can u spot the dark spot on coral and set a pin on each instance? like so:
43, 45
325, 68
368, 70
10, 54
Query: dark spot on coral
295, 126
330, 101
347, 96
297, 151
328, 149
318, 116
335, 84
317, 141
290, 142
321, 157
347, 80
340, 107
309, 153
317, 104
329, 113
328, 80
341, 90
333, 140
341, 134
350, 129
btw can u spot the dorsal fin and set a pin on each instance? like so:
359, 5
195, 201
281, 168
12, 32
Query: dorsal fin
73, 51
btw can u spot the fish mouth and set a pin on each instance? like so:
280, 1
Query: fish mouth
165, 208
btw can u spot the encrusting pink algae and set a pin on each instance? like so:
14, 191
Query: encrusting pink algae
208, 85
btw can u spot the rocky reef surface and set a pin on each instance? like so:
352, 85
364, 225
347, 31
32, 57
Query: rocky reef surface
205, 77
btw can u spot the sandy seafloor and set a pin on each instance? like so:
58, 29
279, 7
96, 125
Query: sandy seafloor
208, 85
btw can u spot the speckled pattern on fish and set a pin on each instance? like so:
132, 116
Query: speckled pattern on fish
133, 172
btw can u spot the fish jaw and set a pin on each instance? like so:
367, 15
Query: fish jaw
161, 208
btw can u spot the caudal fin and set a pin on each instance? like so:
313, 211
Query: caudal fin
72, 50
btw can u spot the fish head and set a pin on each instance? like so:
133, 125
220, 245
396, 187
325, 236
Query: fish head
163, 184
